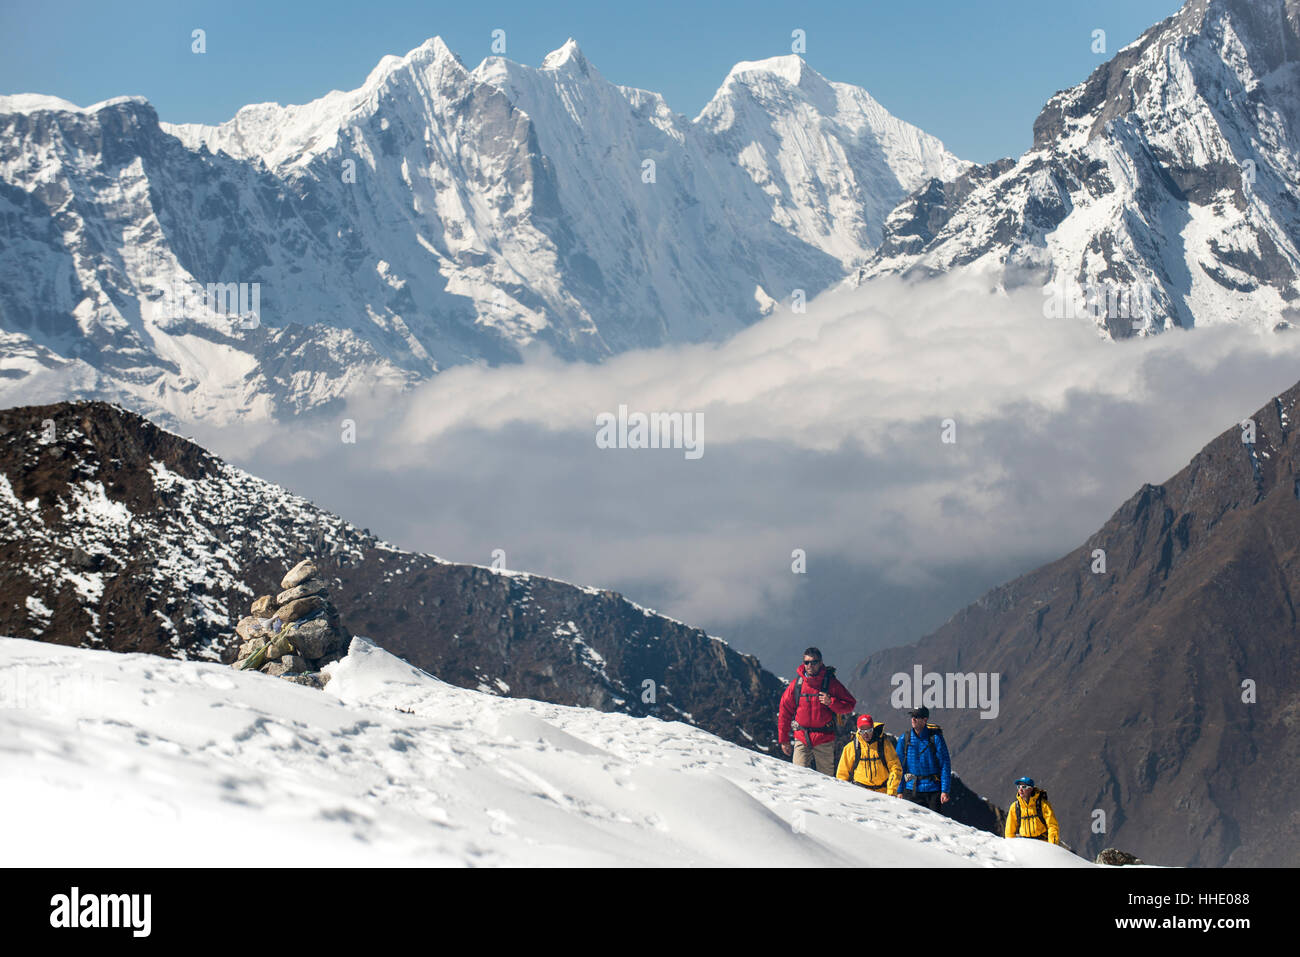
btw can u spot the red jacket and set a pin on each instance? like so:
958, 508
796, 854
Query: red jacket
809, 711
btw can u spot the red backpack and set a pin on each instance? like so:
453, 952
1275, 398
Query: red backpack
837, 722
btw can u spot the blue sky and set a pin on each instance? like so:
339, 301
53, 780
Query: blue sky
974, 73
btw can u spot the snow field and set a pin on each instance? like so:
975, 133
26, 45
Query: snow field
131, 760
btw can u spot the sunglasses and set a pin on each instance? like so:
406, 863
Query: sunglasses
812, 661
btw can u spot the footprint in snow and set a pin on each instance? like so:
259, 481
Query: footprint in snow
217, 682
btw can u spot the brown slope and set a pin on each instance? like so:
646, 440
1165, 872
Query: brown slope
169, 557
1123, 691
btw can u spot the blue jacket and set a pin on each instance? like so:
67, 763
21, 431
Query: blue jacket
918, 759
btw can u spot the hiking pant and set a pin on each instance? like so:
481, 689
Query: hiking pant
823, 754
928, 799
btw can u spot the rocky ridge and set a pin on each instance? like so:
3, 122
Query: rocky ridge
117, 534
1168, 179
1148, 678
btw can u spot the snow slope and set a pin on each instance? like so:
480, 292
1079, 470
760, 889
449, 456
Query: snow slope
131, 760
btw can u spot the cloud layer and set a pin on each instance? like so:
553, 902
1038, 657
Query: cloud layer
822, 431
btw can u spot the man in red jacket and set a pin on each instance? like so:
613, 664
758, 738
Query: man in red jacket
811, 715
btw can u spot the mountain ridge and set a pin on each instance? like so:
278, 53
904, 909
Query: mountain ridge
123, 536
1171, 172
1149, 673
434, 216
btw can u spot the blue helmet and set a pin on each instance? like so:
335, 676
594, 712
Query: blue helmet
1026, 781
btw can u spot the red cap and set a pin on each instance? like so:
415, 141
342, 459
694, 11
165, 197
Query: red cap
864, 721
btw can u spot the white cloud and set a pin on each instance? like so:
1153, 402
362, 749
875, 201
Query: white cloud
822, 432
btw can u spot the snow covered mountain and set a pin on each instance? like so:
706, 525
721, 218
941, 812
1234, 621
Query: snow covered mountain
1172, 173
433, 216
191, 764
122, 536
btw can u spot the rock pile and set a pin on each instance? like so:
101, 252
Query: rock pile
1117, 858
293, 634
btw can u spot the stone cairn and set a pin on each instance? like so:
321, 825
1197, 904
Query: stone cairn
293, 634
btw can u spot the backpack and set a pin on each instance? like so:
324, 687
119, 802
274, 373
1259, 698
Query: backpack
880, 754
837, 722
1038, 813
905, 747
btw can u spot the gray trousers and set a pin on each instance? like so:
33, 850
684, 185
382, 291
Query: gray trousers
823, 754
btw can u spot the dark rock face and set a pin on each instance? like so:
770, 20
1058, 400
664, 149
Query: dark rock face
1162, 689
1117, 858
120, 535
916, 222
968, 807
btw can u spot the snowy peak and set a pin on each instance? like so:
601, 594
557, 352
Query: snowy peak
568, 58
564, 68
828, 157
38, 102
430, 217
1246, 39
432, 54
770, 86
1159, 193
791, 68
294, 135
788, 96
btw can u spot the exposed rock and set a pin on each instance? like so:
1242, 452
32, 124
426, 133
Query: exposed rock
246, 627
316, 680
1134, 682
318, 638
967, 807
312, 586
300, 608
280, 647
1117, 858
304, 570
304, 634
525, 636
264, 607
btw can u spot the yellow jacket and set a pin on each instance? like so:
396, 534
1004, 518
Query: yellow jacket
1022, 819
872, 772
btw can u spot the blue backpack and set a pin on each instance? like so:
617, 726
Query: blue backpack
905, 747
